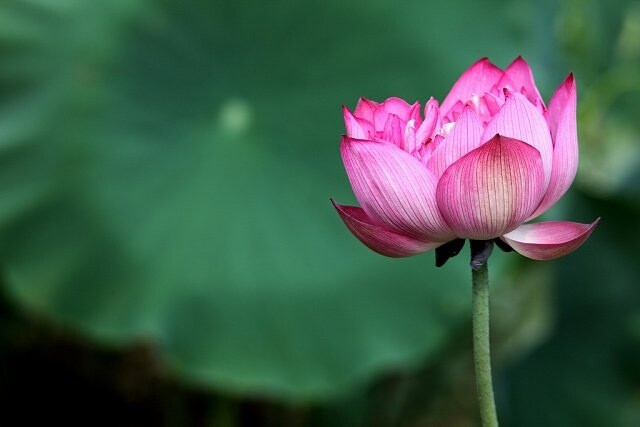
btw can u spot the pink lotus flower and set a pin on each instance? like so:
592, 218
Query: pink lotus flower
489, 158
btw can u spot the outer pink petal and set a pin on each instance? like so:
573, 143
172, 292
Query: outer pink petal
464, 137
549, 240
491, 190
519, 119
379, 238
365, 109
394, 188
564, 131
476, 80
519, 76
356, 127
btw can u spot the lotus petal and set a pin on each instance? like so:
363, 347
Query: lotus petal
356, 127
549, 240
564, 131
519, 77
377, 237
394, 188
476, 80
464, 137
365, 109
492, 189
519, 119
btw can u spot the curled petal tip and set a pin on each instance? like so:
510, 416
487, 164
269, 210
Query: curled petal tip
346, 113
569, 81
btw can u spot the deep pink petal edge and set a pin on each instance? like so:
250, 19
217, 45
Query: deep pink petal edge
564, 131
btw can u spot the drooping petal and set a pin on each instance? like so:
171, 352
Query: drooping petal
564, 132
519, 76
549, 240
394, 188
519, 119
356, 127
492, 189
378, 238
464, 137
476, 80
365, 109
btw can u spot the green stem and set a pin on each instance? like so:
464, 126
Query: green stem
481, 347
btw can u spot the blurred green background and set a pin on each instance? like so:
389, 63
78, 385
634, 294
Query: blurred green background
169, 255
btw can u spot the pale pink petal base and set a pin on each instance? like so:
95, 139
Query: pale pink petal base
379, 238
549, 240
491, 190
